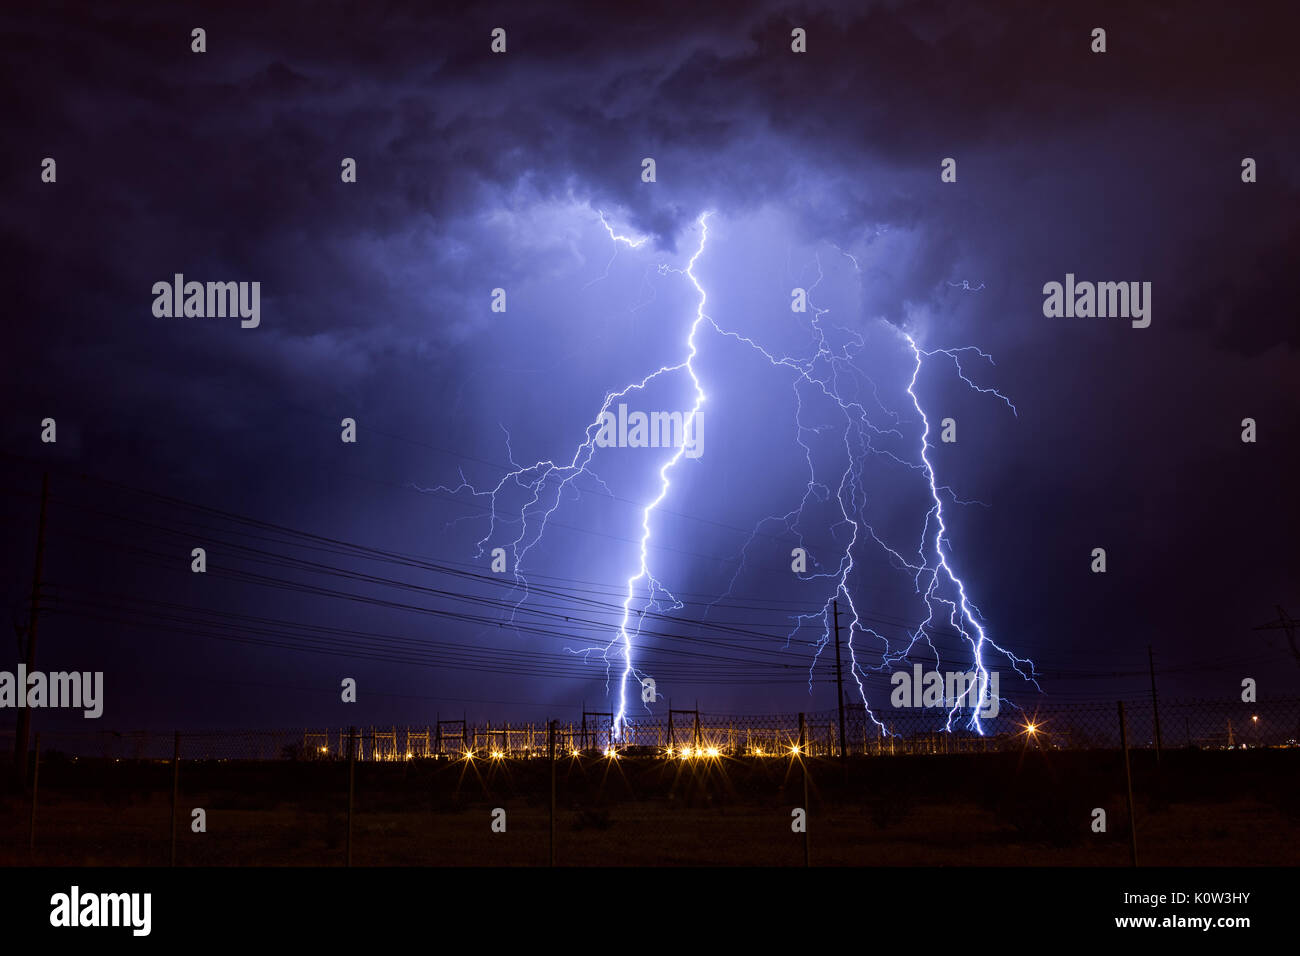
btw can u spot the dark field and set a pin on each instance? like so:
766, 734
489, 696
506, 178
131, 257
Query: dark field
1197, 808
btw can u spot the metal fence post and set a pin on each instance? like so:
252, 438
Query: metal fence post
176, 783
551, 748
36, 783
352, 777
1128, 780
807, 811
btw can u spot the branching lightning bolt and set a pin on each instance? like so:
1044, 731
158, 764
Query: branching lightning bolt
643, 573
964, 616
828, 371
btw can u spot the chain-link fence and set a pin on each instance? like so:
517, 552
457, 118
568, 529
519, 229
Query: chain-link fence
1207, 724
295, 795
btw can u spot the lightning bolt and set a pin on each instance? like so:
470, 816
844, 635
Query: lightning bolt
963, 615
545, 482
643, 573
826, 370
821, 372
831, 373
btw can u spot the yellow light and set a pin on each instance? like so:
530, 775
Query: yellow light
712, 751
794, 751
611, 753
1031, 729
497, 755
1255, 718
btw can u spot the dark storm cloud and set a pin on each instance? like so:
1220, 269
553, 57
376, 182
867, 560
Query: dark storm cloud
441, 128
225, 166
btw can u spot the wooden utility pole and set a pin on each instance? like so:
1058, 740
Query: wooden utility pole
25, 713
839, 677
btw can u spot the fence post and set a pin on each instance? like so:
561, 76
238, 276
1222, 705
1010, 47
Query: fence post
839, 680
36, 783
551, 748
176, 783
807, 811
1128, 780
352, 777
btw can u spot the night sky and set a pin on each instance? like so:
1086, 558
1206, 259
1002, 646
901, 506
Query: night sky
478, 171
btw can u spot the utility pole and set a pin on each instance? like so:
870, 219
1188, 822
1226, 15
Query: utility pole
839, 676
1286, 623
1155, 704
25, 713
